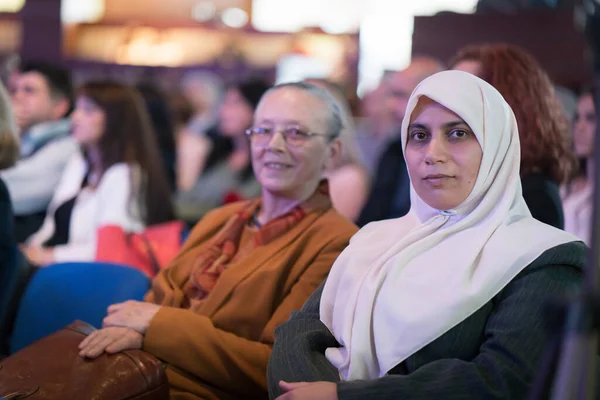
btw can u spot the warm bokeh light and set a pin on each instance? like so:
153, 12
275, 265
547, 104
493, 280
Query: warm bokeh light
79, 11
11, 6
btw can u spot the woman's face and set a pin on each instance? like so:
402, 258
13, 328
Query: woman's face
471, 66
584, 127
442, 154
88, 122
235, 114
292, 171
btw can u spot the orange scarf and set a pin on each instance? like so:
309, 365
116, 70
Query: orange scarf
219, 252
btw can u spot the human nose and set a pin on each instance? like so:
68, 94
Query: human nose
277, 141
436, 151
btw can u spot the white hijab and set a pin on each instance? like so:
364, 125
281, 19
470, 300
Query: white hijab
403, 283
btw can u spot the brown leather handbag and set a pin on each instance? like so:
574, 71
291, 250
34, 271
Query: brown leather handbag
51, 369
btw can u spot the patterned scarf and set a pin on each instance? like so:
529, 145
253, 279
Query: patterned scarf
224, 246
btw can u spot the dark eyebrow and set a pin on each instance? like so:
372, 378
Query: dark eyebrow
417, 126
454, 124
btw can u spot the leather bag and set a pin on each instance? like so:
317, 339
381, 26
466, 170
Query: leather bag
51, 369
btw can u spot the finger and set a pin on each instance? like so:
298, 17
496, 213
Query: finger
98, 348
86, 341
99, 337
287, 386
114, 308
125, 343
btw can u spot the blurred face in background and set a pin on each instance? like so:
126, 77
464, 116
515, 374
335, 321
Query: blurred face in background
584, 127
235, 114
88, 122
33, 101
398, 88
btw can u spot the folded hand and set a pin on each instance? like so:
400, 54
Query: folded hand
131, 314
110, 340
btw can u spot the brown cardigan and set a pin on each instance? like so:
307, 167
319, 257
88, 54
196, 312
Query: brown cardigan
221, 350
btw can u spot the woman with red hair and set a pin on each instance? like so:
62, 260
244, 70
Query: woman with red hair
547, 158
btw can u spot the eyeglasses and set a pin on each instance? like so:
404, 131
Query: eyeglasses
292, 136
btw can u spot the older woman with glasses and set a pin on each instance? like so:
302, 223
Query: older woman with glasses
246, 266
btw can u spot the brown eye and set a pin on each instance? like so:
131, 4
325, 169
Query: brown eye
459, 134
418, 136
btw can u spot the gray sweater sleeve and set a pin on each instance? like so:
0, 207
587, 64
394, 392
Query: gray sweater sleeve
299, 350
515, 338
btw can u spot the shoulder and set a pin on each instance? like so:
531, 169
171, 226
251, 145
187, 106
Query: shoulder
331, 226
556, 272
572, 254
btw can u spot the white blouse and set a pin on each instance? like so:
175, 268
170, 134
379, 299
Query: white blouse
112, 202
578, 214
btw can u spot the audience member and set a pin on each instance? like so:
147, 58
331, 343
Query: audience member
578, 194
349, 174
221, 166
9, 154
376, 126
389, 197
163, 124
446, 302
547, 159
118, 180
245, 267
42, 98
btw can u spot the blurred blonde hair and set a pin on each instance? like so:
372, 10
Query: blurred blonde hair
350, 152
9, 139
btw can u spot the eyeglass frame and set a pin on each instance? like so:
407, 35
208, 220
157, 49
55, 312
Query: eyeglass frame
251, 131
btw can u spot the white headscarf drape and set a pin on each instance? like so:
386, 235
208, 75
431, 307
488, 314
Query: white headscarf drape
403, 283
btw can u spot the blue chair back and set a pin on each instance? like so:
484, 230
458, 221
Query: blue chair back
61, 293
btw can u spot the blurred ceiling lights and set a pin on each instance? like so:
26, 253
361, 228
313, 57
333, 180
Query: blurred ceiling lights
11, 6
234, 17
204, 11
78, 11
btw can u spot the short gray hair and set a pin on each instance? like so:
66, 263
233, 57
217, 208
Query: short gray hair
335, 125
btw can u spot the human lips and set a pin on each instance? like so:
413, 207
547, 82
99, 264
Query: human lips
437, 179
276, 165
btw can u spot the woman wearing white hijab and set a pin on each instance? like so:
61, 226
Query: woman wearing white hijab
446, 302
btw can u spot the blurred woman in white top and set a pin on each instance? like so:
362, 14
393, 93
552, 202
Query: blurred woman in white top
117, 178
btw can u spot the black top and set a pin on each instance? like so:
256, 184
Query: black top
390, 193
493, 354
7, 229
62, 222
542, 196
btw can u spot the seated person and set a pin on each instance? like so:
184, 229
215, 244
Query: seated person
448, 301
246, 266
578, 194
42, 98
117, 180
216, 164
547, 157
349, 174
9, 154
